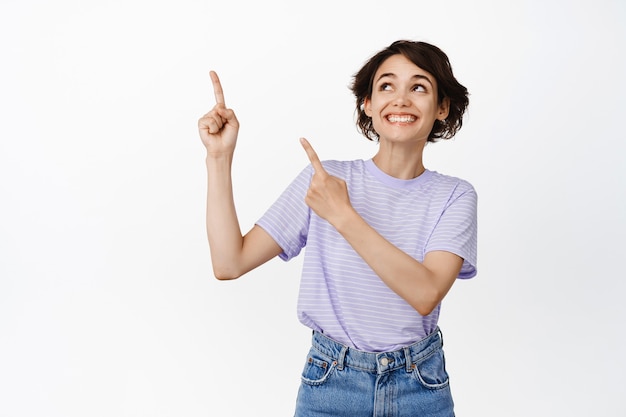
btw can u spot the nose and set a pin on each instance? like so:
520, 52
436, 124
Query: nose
401, 98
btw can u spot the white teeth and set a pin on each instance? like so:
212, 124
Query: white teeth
400, 119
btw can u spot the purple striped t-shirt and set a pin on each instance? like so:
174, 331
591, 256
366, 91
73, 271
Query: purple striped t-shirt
340, 295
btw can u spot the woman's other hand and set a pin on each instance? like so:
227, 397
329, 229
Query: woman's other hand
219, 127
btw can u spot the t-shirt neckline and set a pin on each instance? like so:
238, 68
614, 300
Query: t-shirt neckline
397, 182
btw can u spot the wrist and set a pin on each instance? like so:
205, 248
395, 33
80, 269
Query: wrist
346, 220
219, 157
219, 162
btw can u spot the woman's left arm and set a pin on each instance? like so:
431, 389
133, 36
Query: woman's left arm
422, 284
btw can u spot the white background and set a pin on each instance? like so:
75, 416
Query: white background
107, 302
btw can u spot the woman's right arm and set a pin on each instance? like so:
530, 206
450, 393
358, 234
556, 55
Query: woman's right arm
232, 254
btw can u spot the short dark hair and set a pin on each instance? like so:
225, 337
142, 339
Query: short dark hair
429, 58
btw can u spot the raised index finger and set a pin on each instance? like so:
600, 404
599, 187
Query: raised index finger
315, 160
217, 88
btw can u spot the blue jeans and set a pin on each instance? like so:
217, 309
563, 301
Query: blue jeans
342, 381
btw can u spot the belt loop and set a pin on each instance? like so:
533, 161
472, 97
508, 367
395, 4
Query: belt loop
407, 359
342, 357
440, 335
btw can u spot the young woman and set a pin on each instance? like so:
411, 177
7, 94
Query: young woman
385, 240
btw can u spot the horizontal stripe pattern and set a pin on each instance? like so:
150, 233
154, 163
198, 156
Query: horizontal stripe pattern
340, 295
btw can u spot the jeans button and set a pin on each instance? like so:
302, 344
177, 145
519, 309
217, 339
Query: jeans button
384, 361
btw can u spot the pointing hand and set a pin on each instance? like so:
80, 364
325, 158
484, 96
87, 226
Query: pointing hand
327, 195
219, 127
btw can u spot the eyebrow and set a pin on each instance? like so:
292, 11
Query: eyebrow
392, 75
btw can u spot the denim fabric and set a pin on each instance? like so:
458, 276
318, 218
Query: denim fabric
341, 381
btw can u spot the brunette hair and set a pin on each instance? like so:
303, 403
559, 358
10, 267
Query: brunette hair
429, 58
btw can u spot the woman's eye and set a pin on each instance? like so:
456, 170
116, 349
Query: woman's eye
385, 87
420, 88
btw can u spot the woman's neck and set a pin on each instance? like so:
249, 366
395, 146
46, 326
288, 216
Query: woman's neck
403, 161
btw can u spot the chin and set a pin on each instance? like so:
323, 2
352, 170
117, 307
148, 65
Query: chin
397, 138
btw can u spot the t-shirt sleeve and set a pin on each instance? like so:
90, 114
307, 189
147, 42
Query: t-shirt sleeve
287, 220
456, 231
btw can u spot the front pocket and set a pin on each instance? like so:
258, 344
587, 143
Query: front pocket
431, 372
317, 368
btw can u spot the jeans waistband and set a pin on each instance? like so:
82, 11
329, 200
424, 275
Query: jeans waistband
378, 362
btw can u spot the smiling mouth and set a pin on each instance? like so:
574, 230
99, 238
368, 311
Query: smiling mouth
394, 118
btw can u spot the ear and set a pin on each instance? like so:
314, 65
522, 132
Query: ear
367, 107
444, 109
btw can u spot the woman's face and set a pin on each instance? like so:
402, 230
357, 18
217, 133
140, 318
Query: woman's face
403, 105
